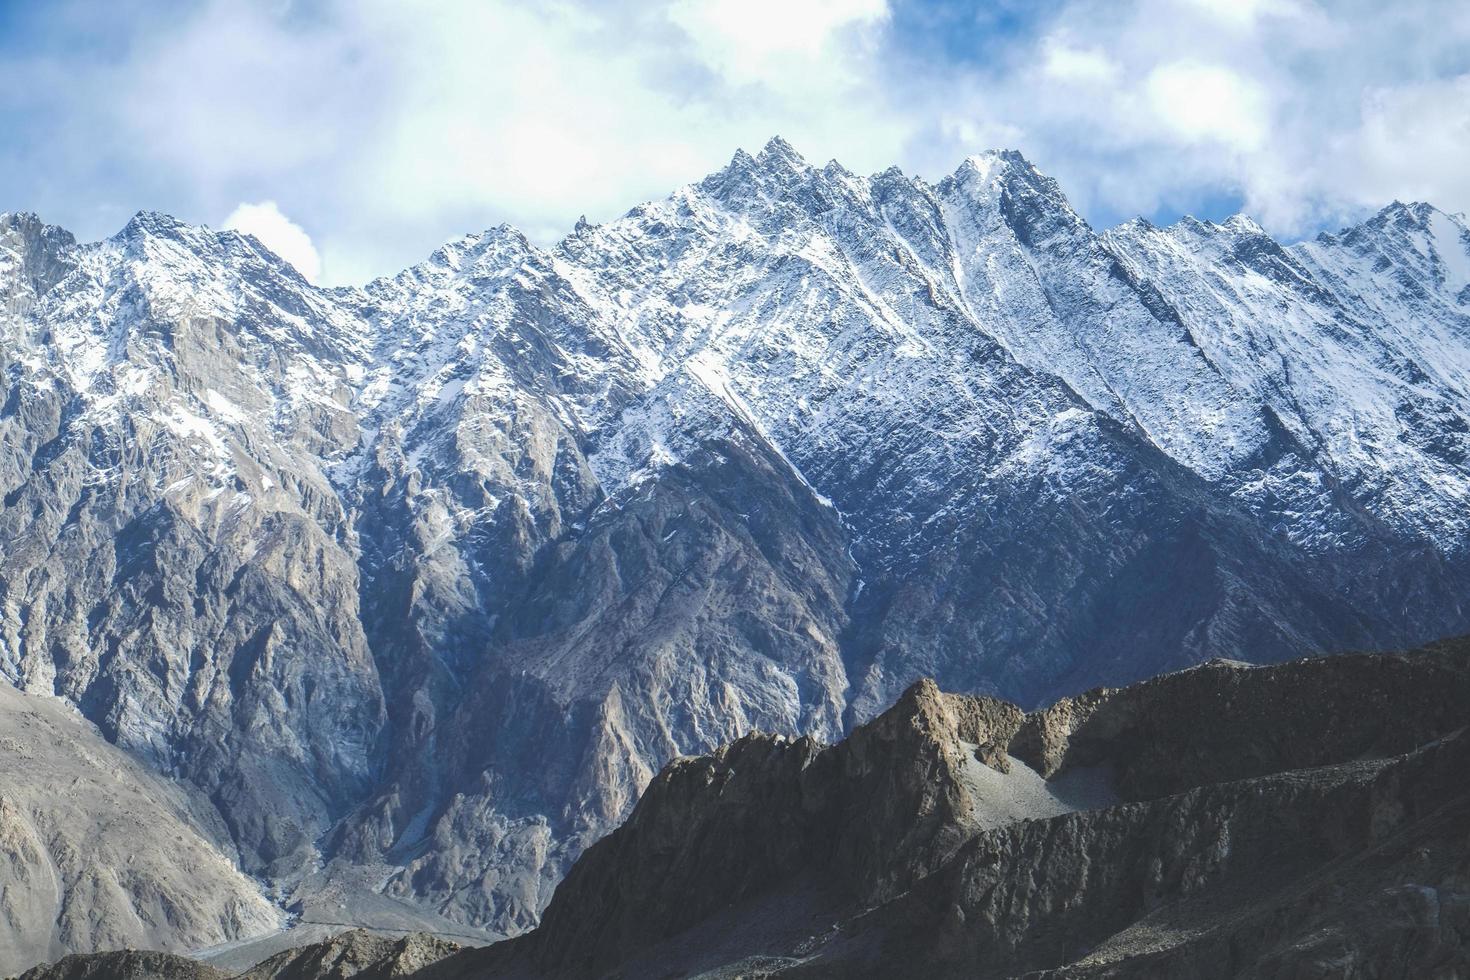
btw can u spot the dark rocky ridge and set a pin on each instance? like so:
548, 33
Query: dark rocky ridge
1301, 820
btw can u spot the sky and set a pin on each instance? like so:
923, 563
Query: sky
354, 136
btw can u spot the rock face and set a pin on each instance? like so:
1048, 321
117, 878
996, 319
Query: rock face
99, 852
1301, 820
354, 954
434, 575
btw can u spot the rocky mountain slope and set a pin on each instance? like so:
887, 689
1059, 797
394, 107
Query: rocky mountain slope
1306, 819
1301, 820
434, 575
99, 852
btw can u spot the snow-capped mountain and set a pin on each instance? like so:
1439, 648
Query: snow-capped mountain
433, 575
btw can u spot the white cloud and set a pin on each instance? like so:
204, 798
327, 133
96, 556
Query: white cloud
392, 127
1305, 116
761, 41
1239, 13
1209, 102
279, 234
1414, 143
1073, 64
387, 128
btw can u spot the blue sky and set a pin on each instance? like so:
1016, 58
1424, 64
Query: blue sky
356, 135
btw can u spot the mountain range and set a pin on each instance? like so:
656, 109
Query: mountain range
409, 590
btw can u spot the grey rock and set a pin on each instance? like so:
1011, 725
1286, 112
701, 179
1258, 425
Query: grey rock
124, 965
97, 851
354, 954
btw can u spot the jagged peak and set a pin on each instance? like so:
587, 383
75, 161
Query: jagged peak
976, 166
1415, 215
161, 238
1237, 224
503, 234
740, 160
740, 171
994, 164
1015, 159
777, 162
922, 708
1401, 215
998, 170
1029, 199
31, 226
1188, 230
779, 153
501, 240
922, 692
1136, 227
834, 168
1244, 224
146, 231
776, 154
155, 223
13, 218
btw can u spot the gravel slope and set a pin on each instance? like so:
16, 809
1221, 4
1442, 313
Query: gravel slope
97, 851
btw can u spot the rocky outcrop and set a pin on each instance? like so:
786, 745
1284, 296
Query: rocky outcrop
1219, 822
354, 954
125, 965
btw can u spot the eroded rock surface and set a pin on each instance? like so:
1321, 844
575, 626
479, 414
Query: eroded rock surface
97, 851
354, 954
124, 965
1224, 821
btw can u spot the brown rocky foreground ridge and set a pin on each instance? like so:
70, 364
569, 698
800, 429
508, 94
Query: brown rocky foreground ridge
1310, 819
